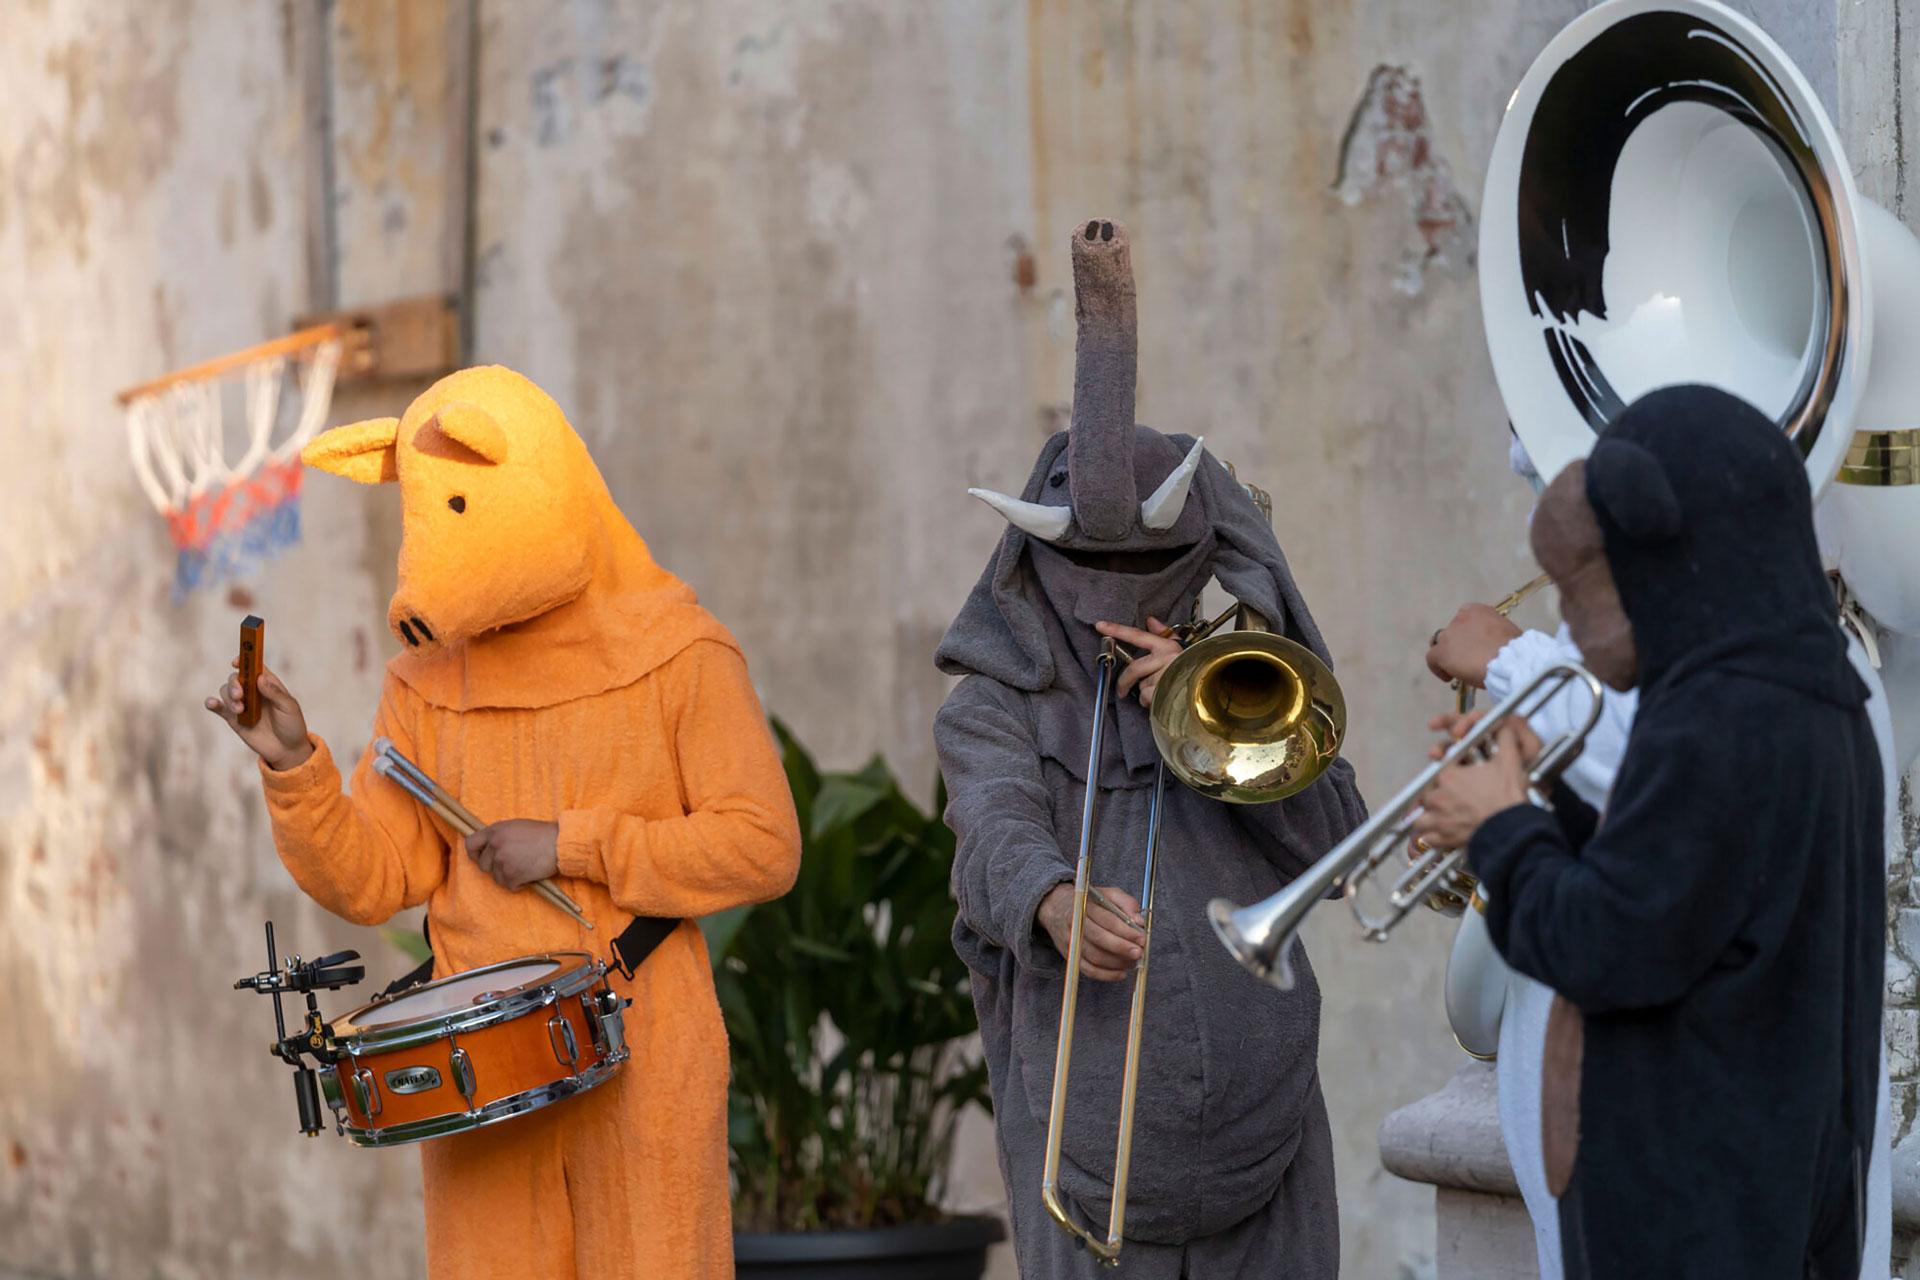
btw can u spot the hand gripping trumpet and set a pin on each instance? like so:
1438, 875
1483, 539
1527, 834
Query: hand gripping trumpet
1261, 936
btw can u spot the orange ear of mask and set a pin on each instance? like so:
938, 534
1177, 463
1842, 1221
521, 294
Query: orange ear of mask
471, 427
362, 451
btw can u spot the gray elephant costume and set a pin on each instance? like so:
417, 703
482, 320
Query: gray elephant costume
1232, 1171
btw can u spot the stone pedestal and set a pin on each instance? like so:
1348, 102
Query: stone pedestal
1451, 1141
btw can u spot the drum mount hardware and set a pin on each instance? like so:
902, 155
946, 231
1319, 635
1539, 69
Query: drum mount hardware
293, 976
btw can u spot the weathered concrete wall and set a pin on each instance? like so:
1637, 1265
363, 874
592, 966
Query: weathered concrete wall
797, 271
151, 213
798, 274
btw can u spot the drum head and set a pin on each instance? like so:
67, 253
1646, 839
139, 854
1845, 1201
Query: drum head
459, 991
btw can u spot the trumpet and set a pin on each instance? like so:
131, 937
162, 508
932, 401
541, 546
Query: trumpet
1247, 717
1261, 935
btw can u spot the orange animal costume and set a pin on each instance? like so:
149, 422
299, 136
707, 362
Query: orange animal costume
554, 672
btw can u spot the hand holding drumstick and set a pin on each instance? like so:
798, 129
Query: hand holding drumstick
517, 853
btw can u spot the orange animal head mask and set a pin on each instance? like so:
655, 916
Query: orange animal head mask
501, 505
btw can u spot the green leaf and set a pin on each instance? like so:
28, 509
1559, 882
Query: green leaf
719, 930
841, 802
819, 950
410, 942
848, 1012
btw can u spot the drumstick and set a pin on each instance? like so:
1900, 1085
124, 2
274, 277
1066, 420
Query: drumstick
386, 768
459, 812
385, 747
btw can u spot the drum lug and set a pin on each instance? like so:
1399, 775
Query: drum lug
366, 1091
560, 1035
608, 1022
590, 1006
330, 1089
463, 1074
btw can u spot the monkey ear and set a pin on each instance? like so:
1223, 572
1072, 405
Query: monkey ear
361, 451
1627, 485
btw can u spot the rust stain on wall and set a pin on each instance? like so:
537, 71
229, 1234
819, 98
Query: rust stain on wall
112, 134
44, 740
399, 49
1388, 152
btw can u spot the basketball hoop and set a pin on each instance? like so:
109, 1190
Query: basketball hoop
227, 518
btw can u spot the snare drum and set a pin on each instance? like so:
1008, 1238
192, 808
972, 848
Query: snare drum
474, 1049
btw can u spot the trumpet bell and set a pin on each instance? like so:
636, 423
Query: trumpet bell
1258, 936
1248, 717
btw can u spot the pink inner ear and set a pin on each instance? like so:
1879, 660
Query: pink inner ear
434, 442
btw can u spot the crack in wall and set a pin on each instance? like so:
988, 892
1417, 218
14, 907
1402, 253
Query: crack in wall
1389, 148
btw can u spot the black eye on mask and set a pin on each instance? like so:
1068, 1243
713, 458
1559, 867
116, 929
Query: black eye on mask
458, 503
1057, 479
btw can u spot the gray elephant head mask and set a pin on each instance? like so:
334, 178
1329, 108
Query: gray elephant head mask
1117, 521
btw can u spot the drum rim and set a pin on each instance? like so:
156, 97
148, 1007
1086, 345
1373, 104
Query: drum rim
507, 1108
579, 972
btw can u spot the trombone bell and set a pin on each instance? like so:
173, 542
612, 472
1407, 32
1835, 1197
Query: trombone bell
1248, 717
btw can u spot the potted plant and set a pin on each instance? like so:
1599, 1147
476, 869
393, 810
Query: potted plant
848, 1012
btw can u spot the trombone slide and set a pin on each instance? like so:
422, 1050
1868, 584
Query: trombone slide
1108, 1249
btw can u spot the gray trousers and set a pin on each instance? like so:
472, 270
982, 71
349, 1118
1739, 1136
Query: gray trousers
1294, 1236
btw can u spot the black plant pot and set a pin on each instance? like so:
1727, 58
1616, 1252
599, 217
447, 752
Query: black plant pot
953, 1250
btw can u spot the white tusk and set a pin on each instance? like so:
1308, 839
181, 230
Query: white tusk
1163, 506
1044, 523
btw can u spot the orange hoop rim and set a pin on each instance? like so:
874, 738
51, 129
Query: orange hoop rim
291, 344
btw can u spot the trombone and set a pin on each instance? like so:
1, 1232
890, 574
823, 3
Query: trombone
1247, 717
1261, 935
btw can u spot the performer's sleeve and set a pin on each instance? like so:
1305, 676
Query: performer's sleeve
1578, 820
1656, 896
1006, 857
738, 840
1301, 828
1520, 662
365, 855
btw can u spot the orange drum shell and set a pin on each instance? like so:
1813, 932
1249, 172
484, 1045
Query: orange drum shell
507, 1058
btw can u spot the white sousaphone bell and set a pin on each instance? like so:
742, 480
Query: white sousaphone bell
1667, 202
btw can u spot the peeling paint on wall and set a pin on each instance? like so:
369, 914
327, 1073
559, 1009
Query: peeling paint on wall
1389, 153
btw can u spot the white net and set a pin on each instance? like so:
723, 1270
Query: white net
230, 497
176, 436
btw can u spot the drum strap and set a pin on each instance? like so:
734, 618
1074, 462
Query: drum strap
419, 974
630, 950
637, 941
